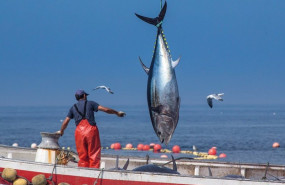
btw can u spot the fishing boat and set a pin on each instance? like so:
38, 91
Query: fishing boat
192, 172
59, 165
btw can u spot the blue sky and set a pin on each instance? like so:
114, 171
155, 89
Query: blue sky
49, 49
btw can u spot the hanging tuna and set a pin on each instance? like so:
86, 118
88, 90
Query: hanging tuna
162, 89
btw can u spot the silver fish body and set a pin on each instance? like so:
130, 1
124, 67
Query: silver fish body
162, 92
162, 89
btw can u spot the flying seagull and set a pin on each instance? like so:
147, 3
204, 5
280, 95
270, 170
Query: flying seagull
104, 87
214, 96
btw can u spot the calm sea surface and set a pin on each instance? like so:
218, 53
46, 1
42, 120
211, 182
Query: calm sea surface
244, 133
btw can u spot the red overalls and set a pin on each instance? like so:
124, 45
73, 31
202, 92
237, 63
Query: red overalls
87, 142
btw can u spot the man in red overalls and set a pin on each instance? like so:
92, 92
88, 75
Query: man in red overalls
87, 138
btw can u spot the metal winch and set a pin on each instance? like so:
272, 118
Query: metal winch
49, 148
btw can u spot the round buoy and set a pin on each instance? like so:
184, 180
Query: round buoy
157, 148
212, 151
214, 147
151, 145
222, 155
39, 180
15, 144
9, 174
276, 145
140, 146
117, 146
63, 183
129, 145
163, 156
176, 149
146, 147
20, 181
33, 145
112, 145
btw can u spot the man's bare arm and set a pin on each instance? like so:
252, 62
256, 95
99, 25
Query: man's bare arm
111, 111
64, 125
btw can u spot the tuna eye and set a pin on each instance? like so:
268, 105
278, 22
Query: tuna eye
158, 133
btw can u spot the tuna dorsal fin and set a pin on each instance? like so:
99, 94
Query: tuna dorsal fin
155, 21
126, 165
146, 69
174, 164
175, 63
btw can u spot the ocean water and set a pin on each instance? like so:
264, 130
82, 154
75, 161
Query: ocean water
243, 133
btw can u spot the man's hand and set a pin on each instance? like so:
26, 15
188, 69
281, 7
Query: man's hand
121, 114
59, 132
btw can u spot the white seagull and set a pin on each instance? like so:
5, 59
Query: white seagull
214, 96
104, 87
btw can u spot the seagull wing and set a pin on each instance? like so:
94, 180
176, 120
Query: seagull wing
210, 96
103, 87
217, 97
109, 90
221, 94
210, 103
100, 87
96, 88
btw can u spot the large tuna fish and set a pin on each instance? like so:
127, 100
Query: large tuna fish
162, 90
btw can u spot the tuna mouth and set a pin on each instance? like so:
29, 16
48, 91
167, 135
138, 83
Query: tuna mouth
159, 135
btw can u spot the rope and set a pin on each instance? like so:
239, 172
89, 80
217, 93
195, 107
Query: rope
101, 172
54, 168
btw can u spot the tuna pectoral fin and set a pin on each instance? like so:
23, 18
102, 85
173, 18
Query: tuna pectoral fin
146, 69
155, 21
175, 63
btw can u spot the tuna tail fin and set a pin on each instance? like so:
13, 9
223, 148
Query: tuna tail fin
155, 21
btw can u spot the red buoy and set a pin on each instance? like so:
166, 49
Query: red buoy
117, 146
129, 145
112, 146
146, 147
276, 145
222, 155
140, 146
176, 149
212, 151
157, 148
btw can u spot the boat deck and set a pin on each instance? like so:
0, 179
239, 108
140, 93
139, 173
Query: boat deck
212, 169
196, 170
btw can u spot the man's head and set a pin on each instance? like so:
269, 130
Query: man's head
80, 94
